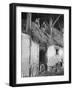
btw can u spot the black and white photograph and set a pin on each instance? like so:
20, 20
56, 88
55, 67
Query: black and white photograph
40, 44
42, 52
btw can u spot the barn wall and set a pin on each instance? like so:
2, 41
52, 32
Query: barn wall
29, 56
25, 47
34, 59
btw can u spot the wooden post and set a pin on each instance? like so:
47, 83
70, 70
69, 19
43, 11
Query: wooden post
50, 24
28, 23
28, 28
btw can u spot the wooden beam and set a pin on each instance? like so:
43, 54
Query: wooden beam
56, 20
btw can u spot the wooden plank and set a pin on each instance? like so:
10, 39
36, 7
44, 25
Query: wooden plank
34, 59
25, 47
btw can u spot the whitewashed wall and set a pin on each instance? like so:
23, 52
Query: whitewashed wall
52, 57
50, 52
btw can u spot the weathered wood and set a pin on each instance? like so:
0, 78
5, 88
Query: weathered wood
25, 47
34, 59
28, 22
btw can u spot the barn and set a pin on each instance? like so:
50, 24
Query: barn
40, 43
